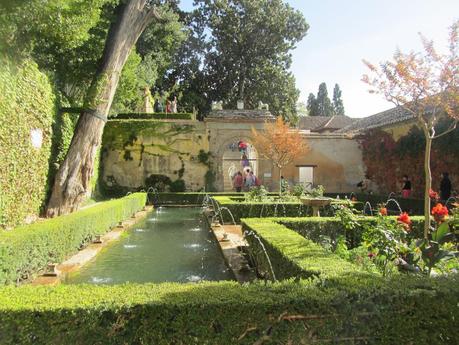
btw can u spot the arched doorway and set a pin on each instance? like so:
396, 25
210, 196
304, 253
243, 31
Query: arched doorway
238, 155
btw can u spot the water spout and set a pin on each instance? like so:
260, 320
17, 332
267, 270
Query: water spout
367, 205
254, 235
396, 203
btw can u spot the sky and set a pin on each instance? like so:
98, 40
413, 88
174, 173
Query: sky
342, 33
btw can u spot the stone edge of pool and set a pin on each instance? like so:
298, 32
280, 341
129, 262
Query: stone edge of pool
84, 256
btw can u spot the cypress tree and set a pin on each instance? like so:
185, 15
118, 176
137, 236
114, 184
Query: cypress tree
338, 105
324, 105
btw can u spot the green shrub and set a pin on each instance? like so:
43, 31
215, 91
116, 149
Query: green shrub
351, 310
26, 103
242, 209
26, 250
291, 255
157, 116
178, 186
314, 227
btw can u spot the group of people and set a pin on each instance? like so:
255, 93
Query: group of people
245, 182
171, 106
406, 192
445, 187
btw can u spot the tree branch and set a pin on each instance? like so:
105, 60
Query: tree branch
451, 128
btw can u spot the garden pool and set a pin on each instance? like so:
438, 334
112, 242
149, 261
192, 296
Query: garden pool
170, 245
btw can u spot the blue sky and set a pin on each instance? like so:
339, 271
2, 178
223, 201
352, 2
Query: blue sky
342, 33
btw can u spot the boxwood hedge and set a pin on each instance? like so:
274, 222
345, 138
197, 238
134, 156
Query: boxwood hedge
313, 227
26, 250
158, 116
242, 209
347, 310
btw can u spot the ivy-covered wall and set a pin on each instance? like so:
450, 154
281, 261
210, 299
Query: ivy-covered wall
165, 155
27, 109
388, 159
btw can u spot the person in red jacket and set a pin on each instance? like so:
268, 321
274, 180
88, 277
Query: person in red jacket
238, 182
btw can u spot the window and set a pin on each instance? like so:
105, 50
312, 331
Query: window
306, 176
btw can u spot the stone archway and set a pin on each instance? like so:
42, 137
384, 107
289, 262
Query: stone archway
230, 161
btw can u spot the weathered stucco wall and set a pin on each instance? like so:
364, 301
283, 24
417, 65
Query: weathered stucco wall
134, 150
337, 163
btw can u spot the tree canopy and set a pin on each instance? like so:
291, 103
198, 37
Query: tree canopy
239, 49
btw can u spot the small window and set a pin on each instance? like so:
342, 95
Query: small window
307, 176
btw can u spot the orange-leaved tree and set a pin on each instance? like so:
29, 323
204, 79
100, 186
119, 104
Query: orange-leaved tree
426, 85
279, 143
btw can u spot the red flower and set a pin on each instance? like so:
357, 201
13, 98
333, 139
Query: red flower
383, 211
434, 195
371, 255
404, 218
440, 210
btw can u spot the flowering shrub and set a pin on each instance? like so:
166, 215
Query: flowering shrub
434, 195
383, 211
439, 210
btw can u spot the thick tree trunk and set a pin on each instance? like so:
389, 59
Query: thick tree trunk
71, 183
428, 185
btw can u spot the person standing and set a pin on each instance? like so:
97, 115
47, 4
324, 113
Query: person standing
445, 187
249, 181
238, 182
174, 105
283, 185
406, 189
168, 107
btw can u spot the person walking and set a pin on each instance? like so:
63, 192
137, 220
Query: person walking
238, 182
445, 187
406, 189
249, 181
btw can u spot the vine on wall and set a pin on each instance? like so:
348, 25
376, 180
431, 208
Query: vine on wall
26, 105
388, 160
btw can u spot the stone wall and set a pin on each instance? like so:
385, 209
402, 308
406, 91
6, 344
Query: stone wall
134, 150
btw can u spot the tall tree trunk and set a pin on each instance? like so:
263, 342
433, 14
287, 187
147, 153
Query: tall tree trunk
428, 185
242, 78
72, 179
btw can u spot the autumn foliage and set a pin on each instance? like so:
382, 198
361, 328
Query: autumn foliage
279, 143
425, 85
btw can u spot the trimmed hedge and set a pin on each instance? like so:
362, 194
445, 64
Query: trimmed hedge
241, 209
292, 255
26, 250
26, 104
332, 227
410, 205
157, 116
345, 310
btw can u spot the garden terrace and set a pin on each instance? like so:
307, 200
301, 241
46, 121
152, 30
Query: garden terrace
26, 250
343, 304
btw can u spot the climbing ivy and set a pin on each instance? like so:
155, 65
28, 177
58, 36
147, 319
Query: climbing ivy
388, 160
27, 103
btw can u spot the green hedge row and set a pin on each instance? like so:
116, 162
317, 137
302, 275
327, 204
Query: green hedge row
26, 105
26, 250
292, 255
158, 116
241, 209
332, 227
343, 310
410, 205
